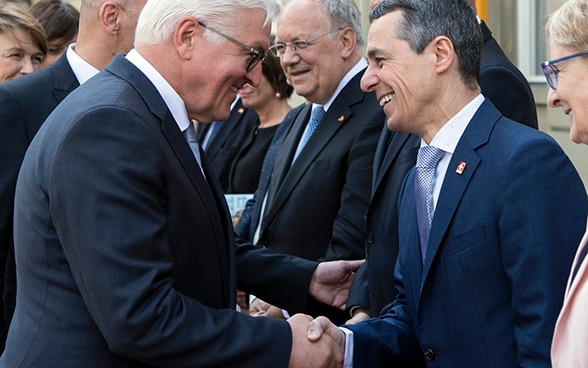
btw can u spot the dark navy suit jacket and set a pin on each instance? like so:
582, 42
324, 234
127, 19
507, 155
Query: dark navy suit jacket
225, 145
125, 253
497, 259
25, 103
509, 91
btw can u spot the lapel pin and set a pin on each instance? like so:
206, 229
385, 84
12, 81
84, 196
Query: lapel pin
240, 110
460, 167
341, 118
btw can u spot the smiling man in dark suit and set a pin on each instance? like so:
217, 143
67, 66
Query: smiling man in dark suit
123, 241
319, 187
481, 259
373, 288
107, 27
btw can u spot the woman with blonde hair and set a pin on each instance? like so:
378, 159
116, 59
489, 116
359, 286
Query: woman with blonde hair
567, 76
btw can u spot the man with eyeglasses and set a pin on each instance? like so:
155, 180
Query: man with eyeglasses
320, 184
123, 242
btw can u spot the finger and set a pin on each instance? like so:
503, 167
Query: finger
353, 265
317, 328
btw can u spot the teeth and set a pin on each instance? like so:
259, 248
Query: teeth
386, 99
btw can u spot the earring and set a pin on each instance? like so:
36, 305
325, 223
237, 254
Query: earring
278, 95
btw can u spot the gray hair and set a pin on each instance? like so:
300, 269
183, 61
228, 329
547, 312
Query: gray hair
423, 20
343, 13
159, 17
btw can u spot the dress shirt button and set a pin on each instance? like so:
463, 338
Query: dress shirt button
370, 238
429, 354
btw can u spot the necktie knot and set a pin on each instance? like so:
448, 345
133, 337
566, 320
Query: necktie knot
429, 156
190, 134
315, 118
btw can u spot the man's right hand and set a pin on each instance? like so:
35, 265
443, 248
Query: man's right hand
322, 351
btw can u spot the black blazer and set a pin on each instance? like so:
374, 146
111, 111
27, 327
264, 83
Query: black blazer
125, 253
224, 147
25, 103
316, 205
504, 84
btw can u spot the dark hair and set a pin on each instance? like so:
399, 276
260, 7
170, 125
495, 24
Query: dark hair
423, 20
60, 20
13, 17
272, 70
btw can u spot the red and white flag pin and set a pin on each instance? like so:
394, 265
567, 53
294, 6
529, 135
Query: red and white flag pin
460, 168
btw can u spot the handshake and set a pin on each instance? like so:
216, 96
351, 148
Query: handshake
315, 343
320, 343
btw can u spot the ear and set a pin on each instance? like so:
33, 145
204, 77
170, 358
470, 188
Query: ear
185, 37
109, 13
349, 41
442, 48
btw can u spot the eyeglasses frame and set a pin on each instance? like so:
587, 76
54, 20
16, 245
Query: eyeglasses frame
549, 67
259, 55
273, 49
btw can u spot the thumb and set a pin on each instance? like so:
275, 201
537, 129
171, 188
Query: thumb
317, 328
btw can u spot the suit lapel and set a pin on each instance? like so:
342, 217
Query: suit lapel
337, 115
64, 79
209, 192
225, 131
455, 184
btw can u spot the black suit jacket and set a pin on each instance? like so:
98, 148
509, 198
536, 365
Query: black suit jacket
316, 206
504, 84
225, 145
25, 104
125, 253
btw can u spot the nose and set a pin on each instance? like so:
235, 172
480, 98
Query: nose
369, 80
552, 98
27, 66
289, 57
253, 76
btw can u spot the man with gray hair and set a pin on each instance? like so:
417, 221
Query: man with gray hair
123, 242
107, 27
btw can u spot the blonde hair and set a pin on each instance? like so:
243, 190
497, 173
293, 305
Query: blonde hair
568, 25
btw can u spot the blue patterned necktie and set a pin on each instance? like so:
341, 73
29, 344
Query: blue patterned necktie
427, 160
315, 118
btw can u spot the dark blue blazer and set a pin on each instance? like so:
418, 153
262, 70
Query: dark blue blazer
124, 251
502, 240
509, 91
25, 103
224, 147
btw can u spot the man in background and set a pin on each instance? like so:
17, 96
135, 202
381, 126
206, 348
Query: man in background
107, 27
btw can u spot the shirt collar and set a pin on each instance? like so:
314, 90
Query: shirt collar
361, 65
171, 98
80, 67
449, 135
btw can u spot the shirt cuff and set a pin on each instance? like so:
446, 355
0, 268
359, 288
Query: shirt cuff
348, 358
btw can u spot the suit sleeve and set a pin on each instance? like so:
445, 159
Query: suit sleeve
539, 232
110, 215
13, 145
359, 291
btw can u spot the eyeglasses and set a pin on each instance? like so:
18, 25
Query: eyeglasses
279, 49
550, 70
258, 55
